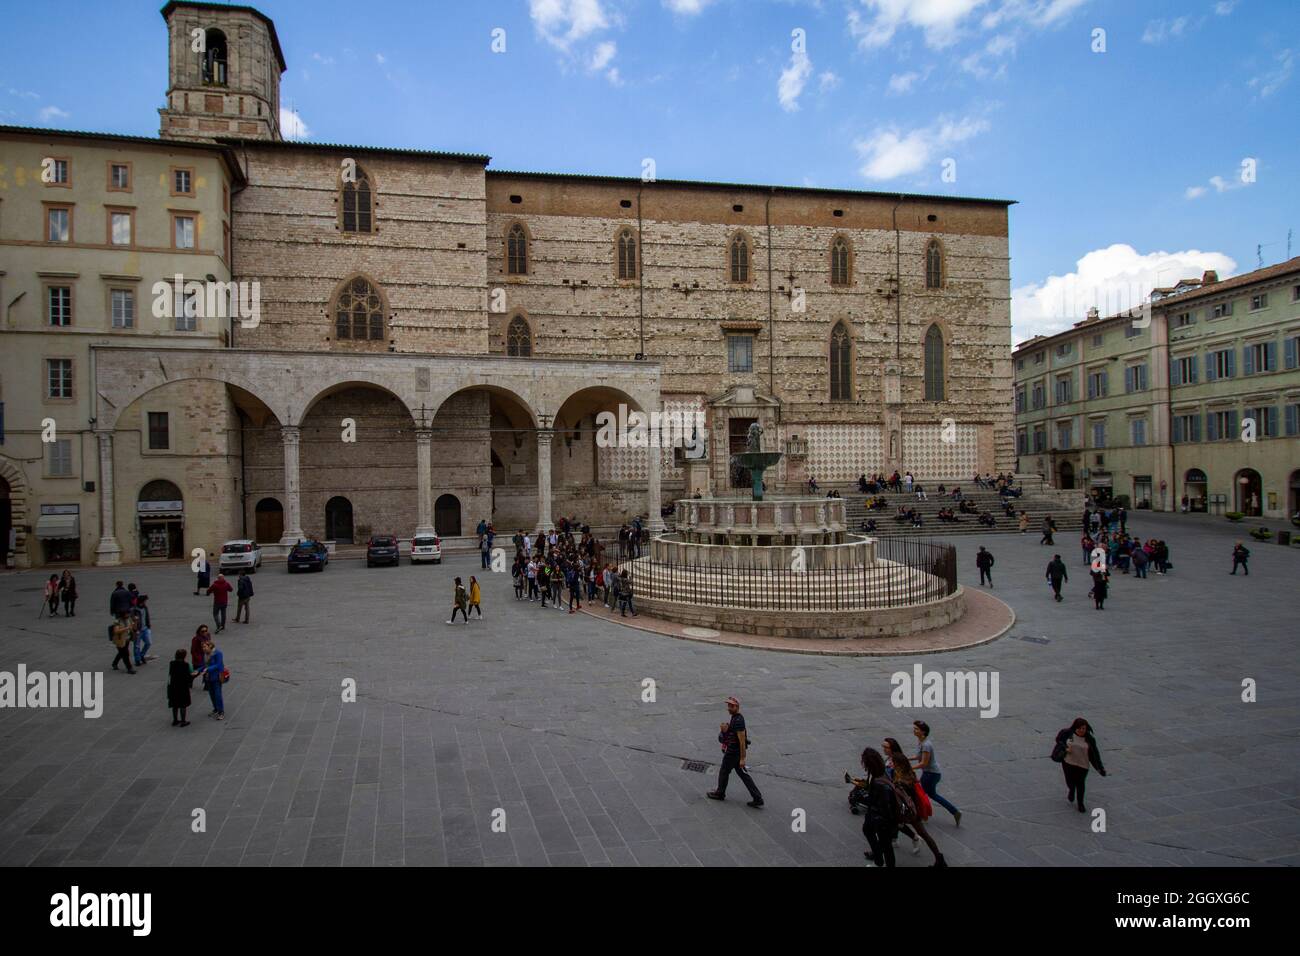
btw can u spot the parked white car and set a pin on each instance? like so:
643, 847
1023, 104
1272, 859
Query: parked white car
241, 555
426, 547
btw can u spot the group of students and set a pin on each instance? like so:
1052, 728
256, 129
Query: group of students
132, 629
1121, 552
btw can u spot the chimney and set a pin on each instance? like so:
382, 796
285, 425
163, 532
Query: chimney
1209, 278
1093, 314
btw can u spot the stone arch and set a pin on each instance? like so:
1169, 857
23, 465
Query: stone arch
18, 491
114, 404
352, 380
524, 402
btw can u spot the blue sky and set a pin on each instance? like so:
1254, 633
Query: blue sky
1127, 164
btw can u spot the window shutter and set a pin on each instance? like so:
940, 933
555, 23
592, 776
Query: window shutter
1212, 427
1234, 427
1289, 352
1173, 373
1270, 356
1248, 360
1209, 367
1232, 362
1191, 368
1196, 427
1128, 379
1271, 412
1293, 419
1178, 430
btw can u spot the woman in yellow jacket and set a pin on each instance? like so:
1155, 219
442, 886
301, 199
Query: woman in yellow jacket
475, 596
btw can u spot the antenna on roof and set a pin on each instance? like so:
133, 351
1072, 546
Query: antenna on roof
1259, 255
1288, 242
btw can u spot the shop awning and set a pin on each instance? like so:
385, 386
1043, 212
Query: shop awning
150, 510
54, 527
1101, 481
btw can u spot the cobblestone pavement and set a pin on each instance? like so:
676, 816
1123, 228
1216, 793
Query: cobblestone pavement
540, 714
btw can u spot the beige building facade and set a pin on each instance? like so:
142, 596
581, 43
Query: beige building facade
1191, 404
491, 318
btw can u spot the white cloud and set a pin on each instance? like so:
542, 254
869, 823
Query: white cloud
1157, 31
50, 113
564, 22
874, 22
603, 54
889, 153
1194, 192
380, 59
1113, 279
827, 81
1035, 13
25, 94
903, 82
793, 78
1269, 83
291, 124
687, 8
322, 59
1225, 7
998, 46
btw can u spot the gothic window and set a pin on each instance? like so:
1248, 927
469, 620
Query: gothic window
626, 243
359, 311
840, 261
739, 258
519, 338
841, 364
358, 202
517, 251
933, 265
934, 365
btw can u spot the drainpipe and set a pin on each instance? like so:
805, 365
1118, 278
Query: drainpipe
640, 270
771, 339
898, 282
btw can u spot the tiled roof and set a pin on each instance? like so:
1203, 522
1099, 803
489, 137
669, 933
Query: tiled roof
1236, 282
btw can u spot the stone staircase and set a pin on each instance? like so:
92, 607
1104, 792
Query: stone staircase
1037, 507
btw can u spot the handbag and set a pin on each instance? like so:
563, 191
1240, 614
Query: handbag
924, 808
225, 675
1058, 752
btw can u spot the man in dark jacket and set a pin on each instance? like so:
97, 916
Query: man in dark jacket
1240, 555
119, 602
1056, 574
984, 561
244, 591
735, 748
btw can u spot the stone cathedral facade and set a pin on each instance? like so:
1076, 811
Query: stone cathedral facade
469, 325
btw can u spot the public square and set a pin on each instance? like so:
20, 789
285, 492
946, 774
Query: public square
540, 714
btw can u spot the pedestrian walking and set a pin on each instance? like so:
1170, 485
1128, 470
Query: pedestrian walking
68, 594
475, 598
144, 630
624, 592
573, 578
52, 595
485, 550
1049, 528
119, 602
1076, 749
912, 796
1024, 522
220, 590
459, 601
180, 681
1100, 588
1056, 575
1140, 561
204, 575
735, 749
984, 561
927, 762
215, 676
1240, 557
121, 635
244, 594
880, 821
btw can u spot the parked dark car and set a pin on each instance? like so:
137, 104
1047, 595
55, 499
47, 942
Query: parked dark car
382, 549
308, 556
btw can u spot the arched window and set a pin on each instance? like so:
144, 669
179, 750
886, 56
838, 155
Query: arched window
840, 261
519, 338
934, 365
214, 58
841, 364
517, 251
626, 244
359, 311
357, 199
739, 258
933, 265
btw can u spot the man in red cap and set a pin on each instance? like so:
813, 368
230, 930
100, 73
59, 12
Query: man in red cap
735, 746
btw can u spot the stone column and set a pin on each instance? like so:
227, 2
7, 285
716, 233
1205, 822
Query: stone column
544, 438
289, 435
654, 474
424, 481
108, 552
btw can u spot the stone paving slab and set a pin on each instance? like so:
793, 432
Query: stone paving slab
539, 714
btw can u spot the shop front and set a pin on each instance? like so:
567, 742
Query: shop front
58, 529
160, 516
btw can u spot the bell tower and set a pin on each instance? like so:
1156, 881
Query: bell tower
223, 72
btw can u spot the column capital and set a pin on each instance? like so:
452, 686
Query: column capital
424, 435
290, 433
545, 436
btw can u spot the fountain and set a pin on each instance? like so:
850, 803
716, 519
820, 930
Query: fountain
755, 459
